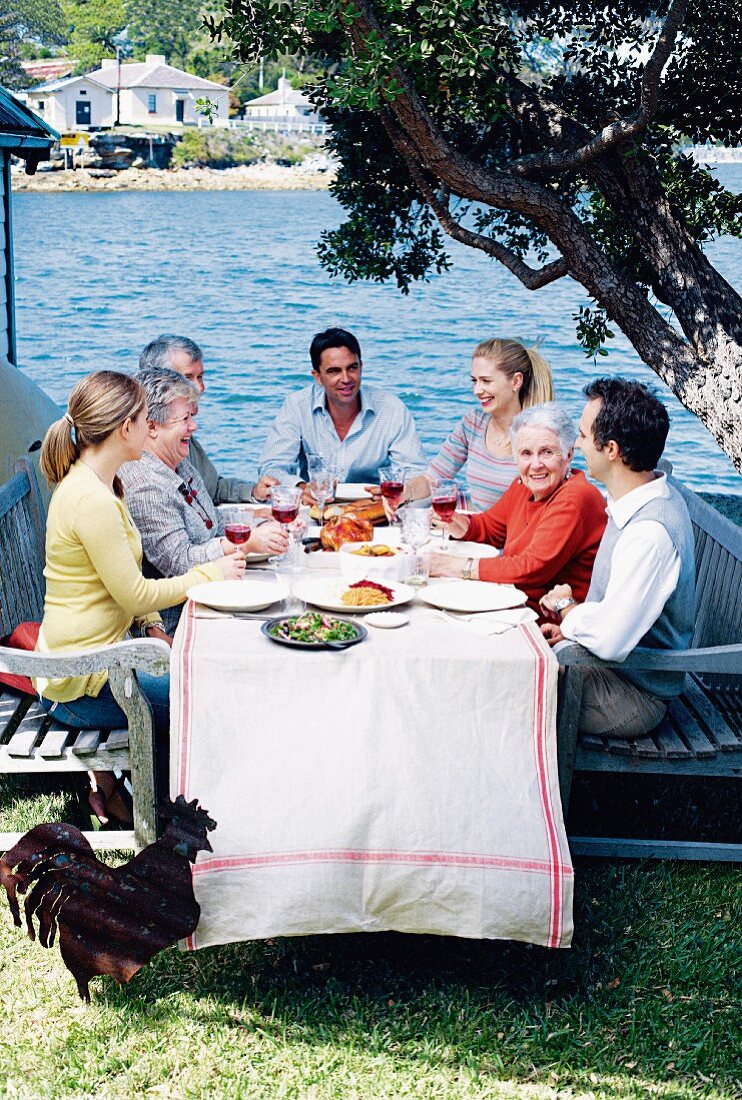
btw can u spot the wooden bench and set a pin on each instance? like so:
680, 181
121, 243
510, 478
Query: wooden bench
701, 734
31, 742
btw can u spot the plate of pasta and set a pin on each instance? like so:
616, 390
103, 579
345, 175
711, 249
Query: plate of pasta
333, 594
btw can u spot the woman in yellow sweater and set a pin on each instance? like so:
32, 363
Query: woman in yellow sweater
95, 591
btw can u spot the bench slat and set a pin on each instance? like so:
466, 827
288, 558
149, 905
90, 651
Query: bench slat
690, 731
87, 742
725, 738
669, 743
55, 741
24, 741
116, 740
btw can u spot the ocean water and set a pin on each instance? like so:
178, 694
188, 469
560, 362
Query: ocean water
99, 275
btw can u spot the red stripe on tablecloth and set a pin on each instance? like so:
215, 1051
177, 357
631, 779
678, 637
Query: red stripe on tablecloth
184, 717
186, 700
540, 735
351, 855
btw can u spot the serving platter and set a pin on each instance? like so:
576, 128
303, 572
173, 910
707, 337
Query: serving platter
472, 596
360, 633
326, 592
243, 595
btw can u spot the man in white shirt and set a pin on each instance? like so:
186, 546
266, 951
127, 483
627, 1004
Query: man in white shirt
642, 591
185, 356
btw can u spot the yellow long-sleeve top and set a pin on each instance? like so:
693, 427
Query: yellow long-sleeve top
94, 583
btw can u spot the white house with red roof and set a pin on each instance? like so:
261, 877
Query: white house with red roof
139, 93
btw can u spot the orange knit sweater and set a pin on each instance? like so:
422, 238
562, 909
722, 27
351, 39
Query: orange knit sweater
544, 542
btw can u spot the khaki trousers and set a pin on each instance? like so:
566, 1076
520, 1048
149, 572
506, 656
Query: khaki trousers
613, 706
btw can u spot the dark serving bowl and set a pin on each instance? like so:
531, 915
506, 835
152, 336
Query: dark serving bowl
360, 634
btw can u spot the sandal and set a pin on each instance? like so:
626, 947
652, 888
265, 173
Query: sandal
110, 801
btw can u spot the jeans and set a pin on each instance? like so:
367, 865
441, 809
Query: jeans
103, 712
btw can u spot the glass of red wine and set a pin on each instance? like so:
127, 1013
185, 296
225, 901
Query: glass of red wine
391, 483
285, 504
443, 496
238, 533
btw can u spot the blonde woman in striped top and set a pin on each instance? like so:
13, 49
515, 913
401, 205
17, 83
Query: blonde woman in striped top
506, 377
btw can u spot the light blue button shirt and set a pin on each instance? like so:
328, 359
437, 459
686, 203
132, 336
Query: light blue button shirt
383, 431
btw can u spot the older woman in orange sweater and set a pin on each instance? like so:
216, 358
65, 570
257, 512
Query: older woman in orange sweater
548, 523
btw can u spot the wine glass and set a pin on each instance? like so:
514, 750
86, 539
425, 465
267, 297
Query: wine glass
415, 534
320, 483
391, 482
444, 495
285, 502
238, 525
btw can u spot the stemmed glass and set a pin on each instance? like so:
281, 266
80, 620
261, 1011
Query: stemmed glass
391, 482
415, 533
321, 484
285, 501
443, 495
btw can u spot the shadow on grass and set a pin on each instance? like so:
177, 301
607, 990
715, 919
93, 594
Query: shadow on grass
644, 993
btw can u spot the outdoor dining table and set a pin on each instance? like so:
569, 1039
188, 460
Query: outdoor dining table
407, 783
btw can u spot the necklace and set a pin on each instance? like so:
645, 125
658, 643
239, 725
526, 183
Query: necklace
497, 440
191, 498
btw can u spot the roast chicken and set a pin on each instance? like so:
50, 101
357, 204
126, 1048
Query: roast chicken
346, 528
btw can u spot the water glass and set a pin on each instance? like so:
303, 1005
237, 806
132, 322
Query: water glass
320, 483
415, 534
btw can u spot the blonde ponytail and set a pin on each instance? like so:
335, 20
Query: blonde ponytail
512, 357
59, 450
98, 404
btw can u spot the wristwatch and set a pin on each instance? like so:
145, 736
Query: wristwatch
467, 570
564, 603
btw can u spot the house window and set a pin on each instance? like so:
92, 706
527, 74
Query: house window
40, 105
152, 104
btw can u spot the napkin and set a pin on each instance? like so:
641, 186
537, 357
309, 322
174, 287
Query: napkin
486, 623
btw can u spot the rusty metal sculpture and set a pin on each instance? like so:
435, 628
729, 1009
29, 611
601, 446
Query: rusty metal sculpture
111, 920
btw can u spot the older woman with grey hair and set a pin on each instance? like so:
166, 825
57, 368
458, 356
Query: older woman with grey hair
548, 523
167, 498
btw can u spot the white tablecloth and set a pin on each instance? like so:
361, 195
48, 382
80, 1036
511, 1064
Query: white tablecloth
409, 783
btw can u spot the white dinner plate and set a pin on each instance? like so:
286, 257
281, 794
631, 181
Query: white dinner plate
246, 595
325, 592
351, 490
472, 596
463, 549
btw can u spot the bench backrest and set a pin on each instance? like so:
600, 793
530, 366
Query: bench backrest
21, 549
718, 574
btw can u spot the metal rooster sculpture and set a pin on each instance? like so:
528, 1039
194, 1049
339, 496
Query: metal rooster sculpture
111, 920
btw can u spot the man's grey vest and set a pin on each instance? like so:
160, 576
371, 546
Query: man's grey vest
674, 628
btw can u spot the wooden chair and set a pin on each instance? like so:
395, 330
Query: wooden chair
701, 734
31, 742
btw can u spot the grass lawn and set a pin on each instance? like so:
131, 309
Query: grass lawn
646, 1003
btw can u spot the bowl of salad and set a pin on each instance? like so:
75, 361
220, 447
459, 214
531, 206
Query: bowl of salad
314, 630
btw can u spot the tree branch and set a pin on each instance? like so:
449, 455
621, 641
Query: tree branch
531, 278
625, 128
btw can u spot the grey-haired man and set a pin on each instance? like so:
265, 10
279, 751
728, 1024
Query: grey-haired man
185, 356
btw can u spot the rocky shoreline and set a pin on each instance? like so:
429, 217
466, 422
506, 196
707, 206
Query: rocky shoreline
253, 177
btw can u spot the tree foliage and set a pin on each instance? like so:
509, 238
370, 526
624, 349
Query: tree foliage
21, 20
547, 135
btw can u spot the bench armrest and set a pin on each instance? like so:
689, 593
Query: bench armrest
719, 659
145, 654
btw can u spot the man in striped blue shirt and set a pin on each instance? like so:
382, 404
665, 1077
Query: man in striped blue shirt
357, 430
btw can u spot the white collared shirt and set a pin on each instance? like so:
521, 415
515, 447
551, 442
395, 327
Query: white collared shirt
645, 569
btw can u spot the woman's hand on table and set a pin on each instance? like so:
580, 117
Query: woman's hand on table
268, 538
451, 565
